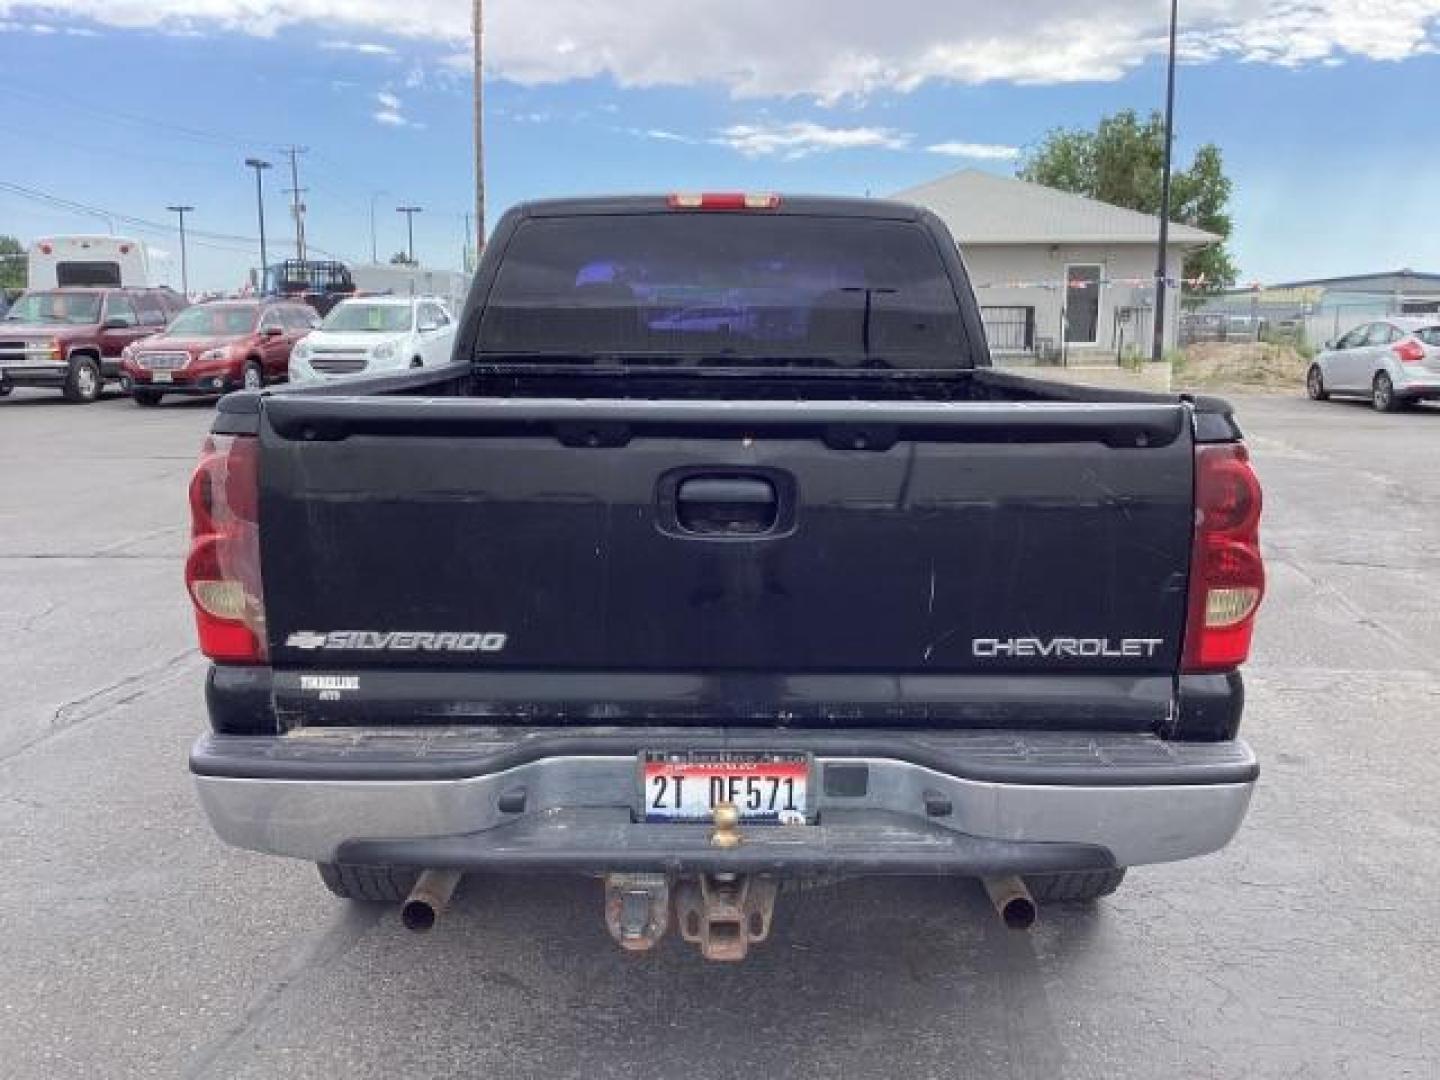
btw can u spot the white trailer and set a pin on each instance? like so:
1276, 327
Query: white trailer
93, 261
450, 286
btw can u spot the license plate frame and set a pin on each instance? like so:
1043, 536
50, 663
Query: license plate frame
162, 376
752, 780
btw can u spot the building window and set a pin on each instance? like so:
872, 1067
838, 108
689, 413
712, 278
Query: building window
1082, 303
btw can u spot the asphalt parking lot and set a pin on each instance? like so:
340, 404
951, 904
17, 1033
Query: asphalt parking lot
134, 944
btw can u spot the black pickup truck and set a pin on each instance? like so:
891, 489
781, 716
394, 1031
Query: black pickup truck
720, 556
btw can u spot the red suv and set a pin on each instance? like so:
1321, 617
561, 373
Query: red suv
215, 347
72, 339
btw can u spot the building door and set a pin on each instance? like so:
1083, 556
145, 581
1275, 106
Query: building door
1082, 303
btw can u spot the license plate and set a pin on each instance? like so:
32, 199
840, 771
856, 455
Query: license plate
766, 788
161, 376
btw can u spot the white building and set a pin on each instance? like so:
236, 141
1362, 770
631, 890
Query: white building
1057, 275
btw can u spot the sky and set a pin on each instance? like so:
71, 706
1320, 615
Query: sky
1325, 111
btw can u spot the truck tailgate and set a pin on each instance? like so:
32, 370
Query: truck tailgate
771, 540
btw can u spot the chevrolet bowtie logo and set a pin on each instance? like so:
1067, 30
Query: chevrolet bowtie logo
305, 640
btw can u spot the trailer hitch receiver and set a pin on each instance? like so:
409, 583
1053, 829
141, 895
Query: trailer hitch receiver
725, 913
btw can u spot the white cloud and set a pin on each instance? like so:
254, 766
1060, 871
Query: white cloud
366, 48
658, 135
975, 151
826, 49
391, 112
533, 116
797, 140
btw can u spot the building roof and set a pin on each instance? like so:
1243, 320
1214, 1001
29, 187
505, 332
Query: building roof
1385, 281
985, 208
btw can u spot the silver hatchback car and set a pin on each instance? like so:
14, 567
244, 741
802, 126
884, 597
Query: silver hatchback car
1393, 361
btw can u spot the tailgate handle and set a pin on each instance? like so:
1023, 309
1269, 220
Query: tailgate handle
726, 505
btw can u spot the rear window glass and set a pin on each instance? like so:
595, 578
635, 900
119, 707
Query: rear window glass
217, 320
358, 317
57, 308
87, 273
1430, 335
725, 290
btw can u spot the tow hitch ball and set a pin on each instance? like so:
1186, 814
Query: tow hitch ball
721, 913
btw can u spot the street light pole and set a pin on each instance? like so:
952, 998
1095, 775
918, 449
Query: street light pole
259, 167
1162, 270
410, 212
184, 260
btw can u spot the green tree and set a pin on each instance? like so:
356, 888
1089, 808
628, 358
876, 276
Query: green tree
12, 263
1122, 162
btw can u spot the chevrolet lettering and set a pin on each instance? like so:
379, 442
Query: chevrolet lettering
1044, 648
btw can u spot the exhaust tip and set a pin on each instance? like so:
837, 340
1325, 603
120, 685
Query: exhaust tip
428, 899
1012, 901
417, 915
1019, 913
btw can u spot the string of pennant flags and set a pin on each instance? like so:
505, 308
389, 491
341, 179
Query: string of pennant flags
1080, 285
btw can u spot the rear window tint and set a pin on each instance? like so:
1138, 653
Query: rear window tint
725, 290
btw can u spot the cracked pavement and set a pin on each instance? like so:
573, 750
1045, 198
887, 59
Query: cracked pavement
136, 945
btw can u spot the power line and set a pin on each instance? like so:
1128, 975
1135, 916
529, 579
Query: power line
107, 151
209, 138
51, 98
218, 241
202, 237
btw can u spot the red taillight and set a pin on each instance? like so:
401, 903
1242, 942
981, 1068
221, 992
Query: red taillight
1410, 351
222, 573
1227, 574
725, 200
124, 249
46, 249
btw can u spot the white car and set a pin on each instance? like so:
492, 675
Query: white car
1393, 361
373, 334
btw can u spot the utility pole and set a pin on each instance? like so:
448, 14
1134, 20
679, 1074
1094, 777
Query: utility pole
1162, 270
374, 255
297, 208
410, 212
477, 24
259, 167
184, 262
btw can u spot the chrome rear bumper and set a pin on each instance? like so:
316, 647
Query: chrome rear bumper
890, 803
